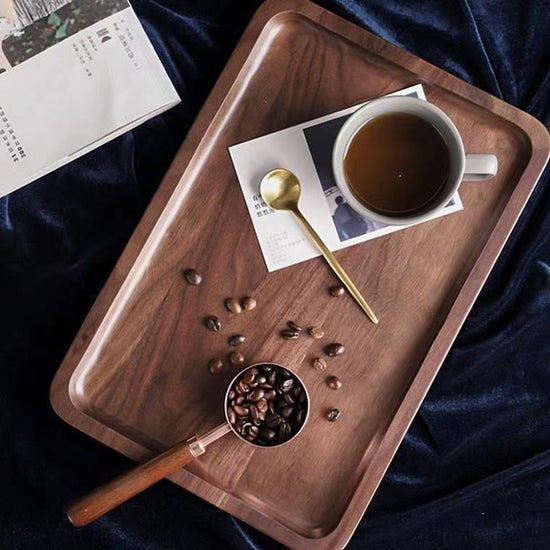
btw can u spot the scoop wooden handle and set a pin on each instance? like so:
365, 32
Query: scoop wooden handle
124, 487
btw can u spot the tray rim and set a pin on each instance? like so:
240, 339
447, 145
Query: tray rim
176, 174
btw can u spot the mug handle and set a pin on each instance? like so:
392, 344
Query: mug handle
480, 167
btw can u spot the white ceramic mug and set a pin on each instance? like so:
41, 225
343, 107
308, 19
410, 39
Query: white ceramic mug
462, 166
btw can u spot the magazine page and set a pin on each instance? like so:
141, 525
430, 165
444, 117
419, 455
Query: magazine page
73, 74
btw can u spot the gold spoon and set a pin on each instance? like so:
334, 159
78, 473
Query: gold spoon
281, 190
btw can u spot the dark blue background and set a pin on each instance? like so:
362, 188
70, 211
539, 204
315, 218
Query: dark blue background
474, 469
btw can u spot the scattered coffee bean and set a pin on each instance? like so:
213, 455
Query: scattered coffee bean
213, 323
289, 334
316, 332
267, 406
332, 350
293, 326
319, 363
333, 415
248, 303
337, 291
236, 358
233, 305
334, 383
215, 366
236, 340
192, 277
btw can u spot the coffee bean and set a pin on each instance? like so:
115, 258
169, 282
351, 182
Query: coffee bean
233, 305
249, 375
319, 363
248, 303
268, 368
284, 431
334, 383
236, 358
333, 415
236, 340
289, 398
286, 373
287, 411
287, 385
273, 420
271, 407
293, 326
261, 379
337, 291
300, 416
239, 426
241, 388
256, 395
271, 378
267, 434
289, 334
296, 391
270, 394
302, 398
262, 406
215, 366
332, 350
241, 411
316, 332
213, 323
231, 415
280, 403
239, 400
192, 277
254, 431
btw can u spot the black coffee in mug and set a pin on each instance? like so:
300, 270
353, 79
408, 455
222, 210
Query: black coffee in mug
397, 164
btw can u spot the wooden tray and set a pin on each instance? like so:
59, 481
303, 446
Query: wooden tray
135, 377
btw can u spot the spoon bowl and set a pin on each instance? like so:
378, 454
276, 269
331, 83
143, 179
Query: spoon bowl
281, 189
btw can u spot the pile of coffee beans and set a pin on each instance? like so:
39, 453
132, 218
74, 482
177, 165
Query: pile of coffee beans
267, 405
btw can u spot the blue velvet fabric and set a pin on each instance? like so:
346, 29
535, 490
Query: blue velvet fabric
474, 469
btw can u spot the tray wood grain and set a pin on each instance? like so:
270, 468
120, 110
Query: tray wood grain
135, 377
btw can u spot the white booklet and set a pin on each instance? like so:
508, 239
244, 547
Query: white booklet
74, 74
306, 150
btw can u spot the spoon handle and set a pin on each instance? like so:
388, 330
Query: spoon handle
336, 267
